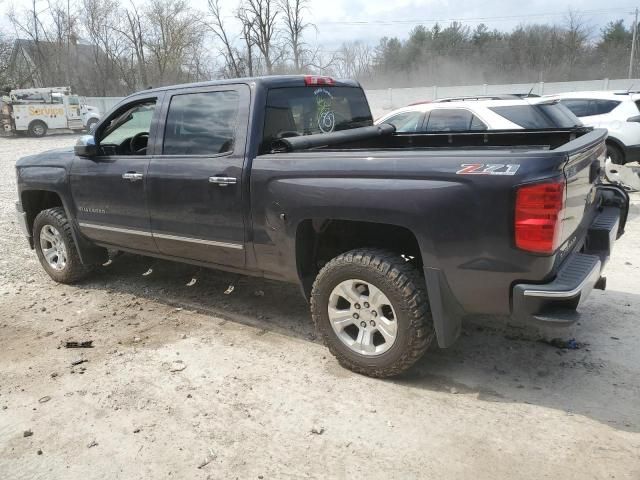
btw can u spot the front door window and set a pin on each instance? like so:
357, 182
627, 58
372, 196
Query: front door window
128, 131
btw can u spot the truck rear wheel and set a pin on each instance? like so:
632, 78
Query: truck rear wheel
56, 248
371, 308
37, 128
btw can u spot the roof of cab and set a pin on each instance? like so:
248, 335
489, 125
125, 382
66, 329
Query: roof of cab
269, 81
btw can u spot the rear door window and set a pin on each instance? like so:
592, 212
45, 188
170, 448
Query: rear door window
201, 123
296, 111
477, 124
453, 120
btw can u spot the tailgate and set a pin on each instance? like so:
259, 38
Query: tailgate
585, 157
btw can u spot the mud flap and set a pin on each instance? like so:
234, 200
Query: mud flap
447, 313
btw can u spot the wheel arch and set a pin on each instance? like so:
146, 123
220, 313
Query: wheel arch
37, 200
315, 245
320, 240
617, 143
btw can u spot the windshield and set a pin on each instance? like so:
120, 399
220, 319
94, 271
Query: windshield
310, 110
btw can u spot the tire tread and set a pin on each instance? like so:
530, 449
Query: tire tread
75, 270
406, 279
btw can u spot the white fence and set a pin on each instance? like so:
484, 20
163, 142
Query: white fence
387, 99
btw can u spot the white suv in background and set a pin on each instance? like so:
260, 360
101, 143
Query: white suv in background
464, 114
618, 112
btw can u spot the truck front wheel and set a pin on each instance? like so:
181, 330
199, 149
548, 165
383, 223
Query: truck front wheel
56, 248
371, 308
37, 128
90, 124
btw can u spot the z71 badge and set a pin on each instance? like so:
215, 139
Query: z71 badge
488, 169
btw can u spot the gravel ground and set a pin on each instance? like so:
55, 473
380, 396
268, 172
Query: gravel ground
191, 383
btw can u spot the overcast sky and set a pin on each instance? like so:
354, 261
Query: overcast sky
369, 20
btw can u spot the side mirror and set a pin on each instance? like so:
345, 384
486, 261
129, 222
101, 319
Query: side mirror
86, 146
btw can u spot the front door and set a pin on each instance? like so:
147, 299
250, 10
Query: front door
195, 183
74, 116
109, 190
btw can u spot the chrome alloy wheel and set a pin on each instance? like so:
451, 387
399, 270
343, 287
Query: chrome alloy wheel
53, 247
362, 317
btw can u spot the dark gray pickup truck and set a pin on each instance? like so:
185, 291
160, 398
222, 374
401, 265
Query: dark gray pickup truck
393, 238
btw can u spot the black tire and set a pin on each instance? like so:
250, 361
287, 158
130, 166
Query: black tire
74, 270
402, 285
615, 153
90, 124
37, 128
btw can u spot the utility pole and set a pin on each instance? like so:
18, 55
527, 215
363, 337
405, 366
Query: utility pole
633, 44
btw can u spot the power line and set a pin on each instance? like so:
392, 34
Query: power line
464, 19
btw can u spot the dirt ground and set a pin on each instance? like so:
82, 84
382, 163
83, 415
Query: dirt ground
187, 382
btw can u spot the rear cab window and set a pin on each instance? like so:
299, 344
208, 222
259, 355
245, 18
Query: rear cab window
296, 111
538, 116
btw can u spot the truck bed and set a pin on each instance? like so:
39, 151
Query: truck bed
385, 140
458, 200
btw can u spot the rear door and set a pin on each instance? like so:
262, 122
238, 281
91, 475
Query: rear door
195, 182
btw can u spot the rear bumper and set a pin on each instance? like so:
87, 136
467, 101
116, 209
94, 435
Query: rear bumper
556, 302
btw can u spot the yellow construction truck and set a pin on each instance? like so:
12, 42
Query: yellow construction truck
38, 110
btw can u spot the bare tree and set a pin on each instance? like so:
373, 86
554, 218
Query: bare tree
294, 27
261, 18
246, 59
575, 39
170, 35
217, 27
132, 30
6, 48
111, 49
354, 60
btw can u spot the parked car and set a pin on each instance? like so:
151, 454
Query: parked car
285, 177
462, 114
618, 112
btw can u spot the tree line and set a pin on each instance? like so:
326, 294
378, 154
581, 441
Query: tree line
111, 47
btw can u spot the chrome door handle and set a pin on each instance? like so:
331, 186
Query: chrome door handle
132, 176
223, 181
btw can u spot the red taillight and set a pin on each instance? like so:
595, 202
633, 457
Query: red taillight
315, 80
538, 215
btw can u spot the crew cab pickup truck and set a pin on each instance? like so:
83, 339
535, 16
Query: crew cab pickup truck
393, 238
